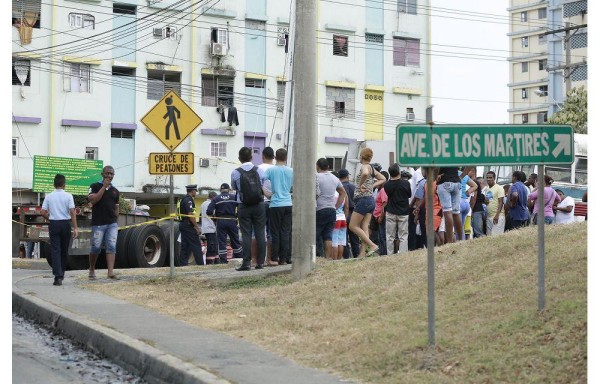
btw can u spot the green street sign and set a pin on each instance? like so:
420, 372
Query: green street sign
457, 145
79, 173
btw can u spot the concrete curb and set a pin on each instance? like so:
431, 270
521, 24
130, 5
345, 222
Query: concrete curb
134, 355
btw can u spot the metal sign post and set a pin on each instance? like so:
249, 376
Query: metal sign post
171, 229
430, 259
541, 246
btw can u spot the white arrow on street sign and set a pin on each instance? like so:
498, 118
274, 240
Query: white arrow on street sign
563, 143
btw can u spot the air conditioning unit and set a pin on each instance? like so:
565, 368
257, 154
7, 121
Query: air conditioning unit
410, 116
217, 49
204, 163
157, 32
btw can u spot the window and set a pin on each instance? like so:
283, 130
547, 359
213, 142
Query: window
26, 13
15, 146
407, 6
218, 149
217, 90
121, 133
524, 93
21, 72
524, 42
77, 77
542, 39
80, 20
219, 35
581, 170
335, 163
91, 153
161, 82
525, 118
167, 32
406, 52
543, 90
542, 64
124, 9
542, 117
255, 83
542, 13
340, 102
524, 67
524, 16
280, 95
340, 45
123, 71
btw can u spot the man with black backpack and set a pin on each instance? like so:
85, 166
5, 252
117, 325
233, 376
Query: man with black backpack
247, 180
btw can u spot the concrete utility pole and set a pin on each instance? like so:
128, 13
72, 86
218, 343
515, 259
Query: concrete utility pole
305, 138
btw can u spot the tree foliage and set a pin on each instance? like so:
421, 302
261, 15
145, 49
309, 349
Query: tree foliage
574, 111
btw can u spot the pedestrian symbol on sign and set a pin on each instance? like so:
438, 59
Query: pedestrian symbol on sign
173, 112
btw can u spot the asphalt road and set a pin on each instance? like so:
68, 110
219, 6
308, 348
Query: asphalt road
39, 356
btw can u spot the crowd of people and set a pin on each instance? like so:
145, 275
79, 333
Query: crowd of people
379, 212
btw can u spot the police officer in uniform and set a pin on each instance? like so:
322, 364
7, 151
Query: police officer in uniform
224, 206
189, 229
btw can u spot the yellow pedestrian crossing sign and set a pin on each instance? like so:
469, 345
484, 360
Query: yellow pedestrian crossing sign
171, 120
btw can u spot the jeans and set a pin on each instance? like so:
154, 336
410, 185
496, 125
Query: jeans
107, 233
325, 221
253, 218
465, 207
477, 224
396, 225
281, 228
449, 196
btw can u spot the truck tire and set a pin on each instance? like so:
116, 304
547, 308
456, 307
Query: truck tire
147, 247
121, 259
76, 262
45, 252
167, 232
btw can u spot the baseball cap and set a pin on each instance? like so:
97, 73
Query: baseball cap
225, 186
191, 187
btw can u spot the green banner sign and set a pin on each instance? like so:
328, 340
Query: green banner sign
80, 173
457, 145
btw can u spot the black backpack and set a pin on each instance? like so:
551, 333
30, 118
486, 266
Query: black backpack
250, 186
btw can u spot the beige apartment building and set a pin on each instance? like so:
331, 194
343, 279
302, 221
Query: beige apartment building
548, 56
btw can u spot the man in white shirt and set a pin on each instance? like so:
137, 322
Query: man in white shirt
565, 210
59, 208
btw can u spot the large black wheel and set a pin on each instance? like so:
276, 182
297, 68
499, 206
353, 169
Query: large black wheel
121, 259
76, 262
45, 252
147, 247
167, 232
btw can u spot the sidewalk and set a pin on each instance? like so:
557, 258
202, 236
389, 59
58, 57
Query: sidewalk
159, 348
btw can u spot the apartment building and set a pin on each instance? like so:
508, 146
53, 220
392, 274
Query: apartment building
543, 65
84, 73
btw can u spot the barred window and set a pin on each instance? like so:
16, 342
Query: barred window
580, 73
340, 45
579, 40
161, 82
26, 12
121, 133
574, 8
407, 52
371, 38
217, 90
218, 149
21, 72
